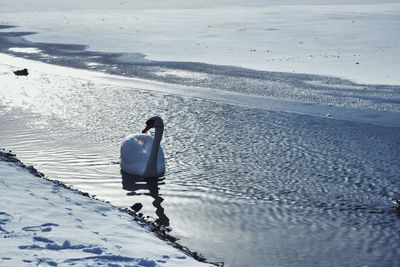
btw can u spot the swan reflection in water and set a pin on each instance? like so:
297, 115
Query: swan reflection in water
134, 184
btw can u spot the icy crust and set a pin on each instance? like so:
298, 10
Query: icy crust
306, 89
44, 224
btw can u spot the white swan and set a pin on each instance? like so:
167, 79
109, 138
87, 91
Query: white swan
141, 154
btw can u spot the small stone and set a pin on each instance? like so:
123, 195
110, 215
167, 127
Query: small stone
137, 206
23, 72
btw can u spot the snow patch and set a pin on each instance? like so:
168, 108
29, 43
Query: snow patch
25, 50
182, 74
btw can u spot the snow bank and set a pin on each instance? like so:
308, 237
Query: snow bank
44, 224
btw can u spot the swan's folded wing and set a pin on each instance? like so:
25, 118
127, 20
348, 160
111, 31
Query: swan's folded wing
133, 150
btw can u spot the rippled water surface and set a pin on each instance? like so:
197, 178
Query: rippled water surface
246, 186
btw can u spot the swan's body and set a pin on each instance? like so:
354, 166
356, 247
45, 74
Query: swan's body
142, 154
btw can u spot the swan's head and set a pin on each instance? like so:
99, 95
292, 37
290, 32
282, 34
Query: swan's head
153, 122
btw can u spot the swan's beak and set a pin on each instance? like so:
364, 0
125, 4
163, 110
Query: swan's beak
146, 129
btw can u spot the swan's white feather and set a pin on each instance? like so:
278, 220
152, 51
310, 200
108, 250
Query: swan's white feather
135, 152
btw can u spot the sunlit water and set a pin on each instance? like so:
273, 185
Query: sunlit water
246, 186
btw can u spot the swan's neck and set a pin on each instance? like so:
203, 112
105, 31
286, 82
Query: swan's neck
151, 167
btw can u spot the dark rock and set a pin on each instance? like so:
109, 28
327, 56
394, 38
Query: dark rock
137, 206
23, 72
396, 202
31, 168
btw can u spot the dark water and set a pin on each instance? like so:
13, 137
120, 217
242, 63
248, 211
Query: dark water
246, 186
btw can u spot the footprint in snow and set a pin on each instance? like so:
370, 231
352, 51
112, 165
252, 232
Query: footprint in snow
52, 245
4, 217
55, 189
46, 227
42, 239
164, 260
111, 260
94, 250
45, 261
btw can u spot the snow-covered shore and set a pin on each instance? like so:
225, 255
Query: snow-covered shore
44, 224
